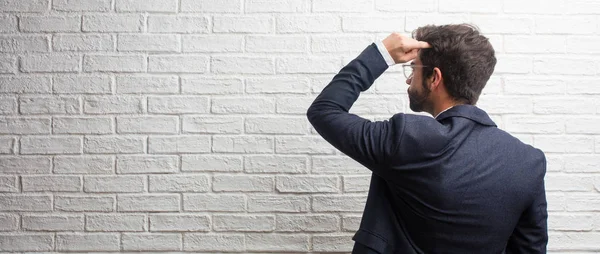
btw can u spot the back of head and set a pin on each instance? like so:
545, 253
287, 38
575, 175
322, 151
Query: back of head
465, 57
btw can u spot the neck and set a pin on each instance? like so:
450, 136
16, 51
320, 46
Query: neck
439, 108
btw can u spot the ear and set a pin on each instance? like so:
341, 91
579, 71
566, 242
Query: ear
436, 78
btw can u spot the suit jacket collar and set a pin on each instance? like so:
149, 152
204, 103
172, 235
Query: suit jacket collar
467, 111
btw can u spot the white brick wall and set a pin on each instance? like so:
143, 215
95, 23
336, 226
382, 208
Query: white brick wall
136, 125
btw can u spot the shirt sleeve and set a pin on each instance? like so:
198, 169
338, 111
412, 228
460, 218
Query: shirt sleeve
383, 51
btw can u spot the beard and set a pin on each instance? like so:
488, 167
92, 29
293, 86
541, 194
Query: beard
418, 101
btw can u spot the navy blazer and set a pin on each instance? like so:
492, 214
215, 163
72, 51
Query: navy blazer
454, 184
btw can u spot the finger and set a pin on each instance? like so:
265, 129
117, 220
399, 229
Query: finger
414, 44
410, 55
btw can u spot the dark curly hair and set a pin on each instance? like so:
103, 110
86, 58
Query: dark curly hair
465, 57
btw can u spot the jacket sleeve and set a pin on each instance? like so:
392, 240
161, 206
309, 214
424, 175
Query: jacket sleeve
531, 232
369, 143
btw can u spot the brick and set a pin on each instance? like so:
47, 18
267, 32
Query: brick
178, 24
505, 104
276, 164
147, 124
279, 125
26, 202
50, 63
213, 242
151, 242
278, 203
583, 202
147, 84
283, 6
178, 104
581, 44
80, 203
332, 243
574, 240
9, 184
24, 125
214, 202
191, 85
556, 201
49, 105
471, 6
244, 223
242, 65
413, 21
142, 164
146, 6
535, 44
378, 105
114, 184
242, 144
341, 6
550, 65
179, 223
212, 6
50, 145
113, 23
179, 144
346, 43
350, 223
242, 183
212, 43
307, 223
571, 222
336, 203
513, 64
82, 125
276, 44
243, 24
50, 23
371, 24
9, 222
24, 6
23, 43
26, 241
406, 5
212, 124
555, 163
566, 25
179, 183
87, 242
148, 43
308, 65
564, 105
7, 145
211, 163
82, 5
53, 222
583, 125
535, 7
8, 23
81, 85
8, 64
308, 24
277, 85
246, 105
148, 203
277, 242
536, 124
304, 145
177, 64
293, 105
357, 183
37, 85
566, 182
25, 165
583, 7
53, 183
307, 184
582, 163
517, 85
114, 63
113, 144
115, 222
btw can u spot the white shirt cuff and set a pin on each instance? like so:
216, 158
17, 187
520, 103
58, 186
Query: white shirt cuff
386, 55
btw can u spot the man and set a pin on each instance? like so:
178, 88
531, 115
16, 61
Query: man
454, 183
